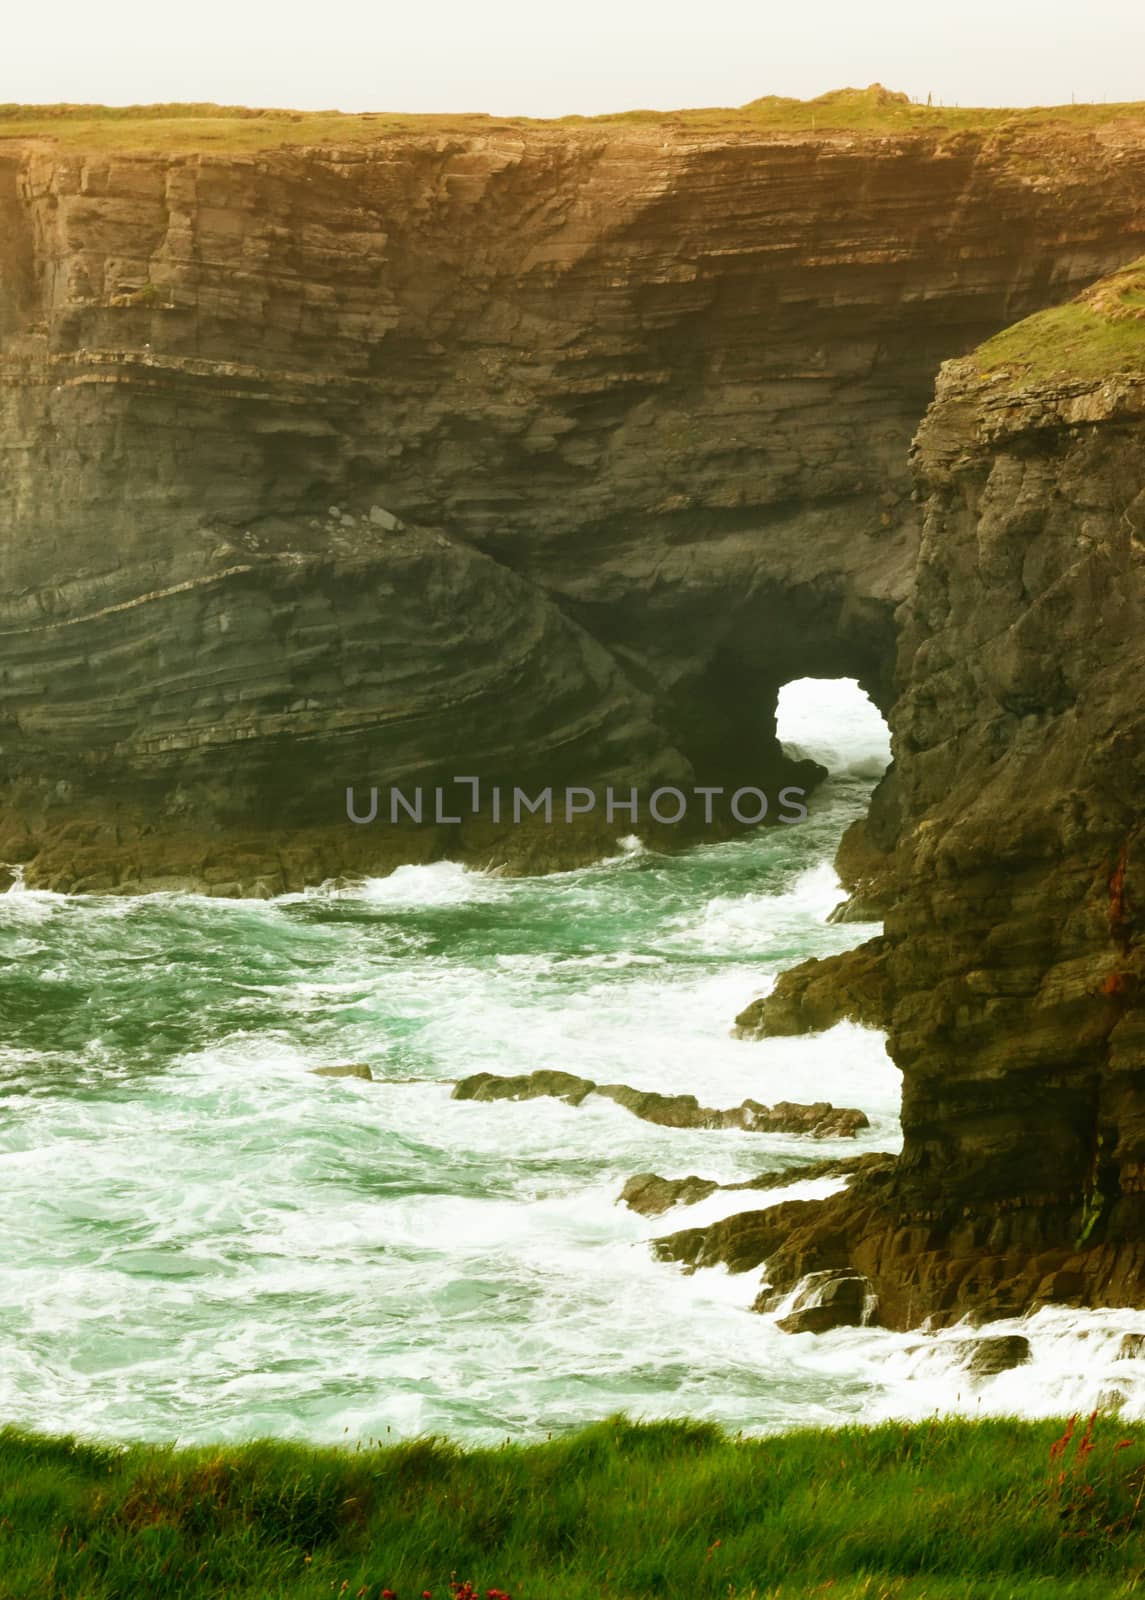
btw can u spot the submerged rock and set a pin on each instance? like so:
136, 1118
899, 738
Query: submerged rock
355, 1069
820, 1120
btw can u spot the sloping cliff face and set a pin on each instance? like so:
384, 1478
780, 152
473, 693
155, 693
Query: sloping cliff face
1013, 943
546, 455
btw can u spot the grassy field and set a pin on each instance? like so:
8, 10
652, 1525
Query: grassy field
1097, 335
995, 1510
194, 127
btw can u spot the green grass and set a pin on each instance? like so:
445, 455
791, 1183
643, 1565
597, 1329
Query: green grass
953, 1508
197, 127
1097, 335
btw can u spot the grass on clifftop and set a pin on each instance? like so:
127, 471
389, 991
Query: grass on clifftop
1000, 1510
209, 127
1097, 335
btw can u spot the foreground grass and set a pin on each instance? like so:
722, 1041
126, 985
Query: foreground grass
227, 128
989, 1509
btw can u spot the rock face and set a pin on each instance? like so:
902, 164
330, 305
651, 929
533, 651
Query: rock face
1014, 809
545, 454
488, 1086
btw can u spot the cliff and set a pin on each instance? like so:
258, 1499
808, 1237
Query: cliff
548, 454
1013, 811
540, 452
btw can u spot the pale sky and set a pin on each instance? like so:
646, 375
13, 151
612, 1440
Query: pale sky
551, 57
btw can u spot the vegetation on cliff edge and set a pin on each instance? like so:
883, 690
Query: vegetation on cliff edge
1097, 335
874, 110
998, 1508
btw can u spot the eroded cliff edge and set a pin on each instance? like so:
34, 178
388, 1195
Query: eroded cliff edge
544, 453
1013, 937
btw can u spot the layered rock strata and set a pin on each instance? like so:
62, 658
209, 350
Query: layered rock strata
538, 453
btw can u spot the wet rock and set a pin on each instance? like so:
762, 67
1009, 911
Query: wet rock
1131, 1348
828, 1300
818, 993
651, 1195
1015, 940
870, 1161
665, 1110
866, 872
355, 1069
1000, 1354
820, 1120
738, 1243
296, 654
538, 1085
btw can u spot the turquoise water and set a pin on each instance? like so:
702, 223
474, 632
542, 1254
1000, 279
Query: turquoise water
200, 1239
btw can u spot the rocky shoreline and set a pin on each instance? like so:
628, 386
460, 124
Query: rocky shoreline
331, 465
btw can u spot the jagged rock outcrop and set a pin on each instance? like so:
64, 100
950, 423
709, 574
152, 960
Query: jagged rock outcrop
827, 1300
815, 995
543, 453
651, 1195
749, 1238
1014, 939
820, 1120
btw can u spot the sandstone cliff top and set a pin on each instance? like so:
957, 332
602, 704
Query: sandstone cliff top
874, 111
